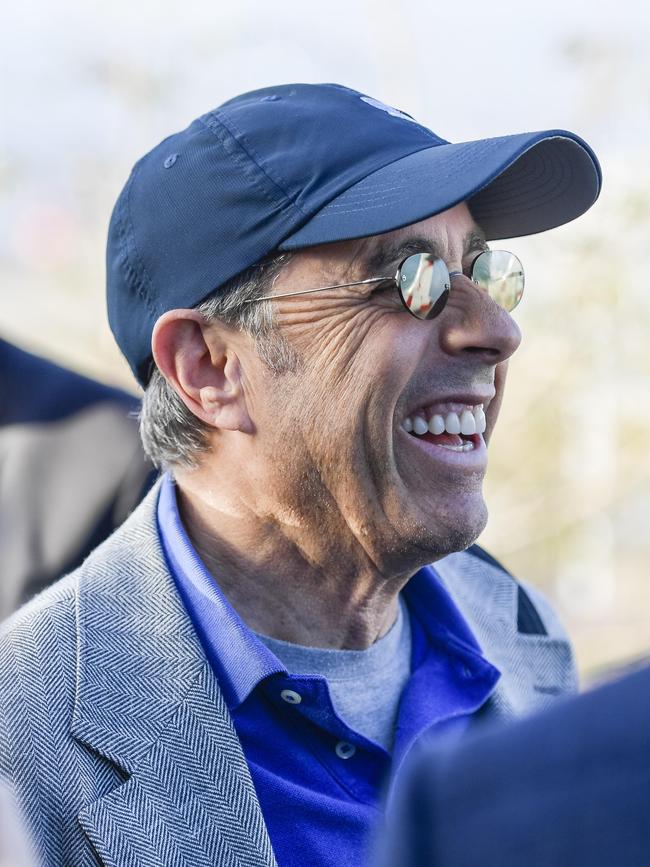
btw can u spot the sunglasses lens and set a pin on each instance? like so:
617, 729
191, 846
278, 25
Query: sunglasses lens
424, 284
501, 274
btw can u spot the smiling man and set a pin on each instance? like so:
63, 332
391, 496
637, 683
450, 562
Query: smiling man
302, 283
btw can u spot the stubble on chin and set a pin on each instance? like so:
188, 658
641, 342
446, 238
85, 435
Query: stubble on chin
422, 526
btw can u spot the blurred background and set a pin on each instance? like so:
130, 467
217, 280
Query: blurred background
87, 88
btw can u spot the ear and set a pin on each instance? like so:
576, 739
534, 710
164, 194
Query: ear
199, 360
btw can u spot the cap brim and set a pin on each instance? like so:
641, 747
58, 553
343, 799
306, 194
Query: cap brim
515, 185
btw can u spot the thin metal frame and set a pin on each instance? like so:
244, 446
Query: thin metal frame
395, 280
323, 288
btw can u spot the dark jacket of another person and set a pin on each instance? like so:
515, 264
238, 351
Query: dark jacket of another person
71, 470
566, 788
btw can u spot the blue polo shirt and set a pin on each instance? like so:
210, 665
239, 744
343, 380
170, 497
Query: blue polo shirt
320, 784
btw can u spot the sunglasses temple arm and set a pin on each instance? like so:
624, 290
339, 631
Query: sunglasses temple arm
320, 289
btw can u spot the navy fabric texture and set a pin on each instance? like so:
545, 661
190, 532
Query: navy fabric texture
567, 787
296, 165
514, 185
35, 390
291, 749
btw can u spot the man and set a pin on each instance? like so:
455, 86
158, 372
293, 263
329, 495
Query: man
301, 281
71, 470
569, 786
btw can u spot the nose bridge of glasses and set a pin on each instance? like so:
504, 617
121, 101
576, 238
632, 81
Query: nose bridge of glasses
482, 289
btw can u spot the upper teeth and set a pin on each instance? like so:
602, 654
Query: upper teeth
469, 421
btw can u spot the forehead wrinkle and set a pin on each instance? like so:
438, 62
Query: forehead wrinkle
337, 260
474, 239
357, 254
389, 253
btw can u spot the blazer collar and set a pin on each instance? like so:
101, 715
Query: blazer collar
148, 701
535, 666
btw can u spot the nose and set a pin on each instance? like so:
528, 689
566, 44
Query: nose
472, 323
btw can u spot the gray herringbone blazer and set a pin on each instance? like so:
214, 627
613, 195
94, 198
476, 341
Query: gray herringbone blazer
113, 729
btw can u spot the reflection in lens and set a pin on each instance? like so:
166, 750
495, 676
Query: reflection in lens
424, 284
501, 274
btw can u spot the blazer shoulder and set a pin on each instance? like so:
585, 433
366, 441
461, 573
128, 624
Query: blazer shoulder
55, 605
37, 664
516, 627
52, 775
535, 614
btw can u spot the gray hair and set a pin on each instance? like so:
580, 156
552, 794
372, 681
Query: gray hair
171, 434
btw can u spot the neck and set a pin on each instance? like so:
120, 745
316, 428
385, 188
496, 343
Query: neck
304, 581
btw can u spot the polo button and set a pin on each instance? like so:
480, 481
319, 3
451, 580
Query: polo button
171, 159
344, 750
290, 696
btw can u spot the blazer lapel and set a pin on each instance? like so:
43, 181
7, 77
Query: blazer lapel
148, 701
535, 667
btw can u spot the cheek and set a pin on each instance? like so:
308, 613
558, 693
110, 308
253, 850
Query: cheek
333, 342
354, 367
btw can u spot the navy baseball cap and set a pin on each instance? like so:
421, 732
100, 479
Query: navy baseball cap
303, 164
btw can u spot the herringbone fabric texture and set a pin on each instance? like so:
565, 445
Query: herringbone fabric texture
535, 669
114, 732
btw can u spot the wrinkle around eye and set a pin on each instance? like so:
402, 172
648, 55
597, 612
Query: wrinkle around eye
387, 286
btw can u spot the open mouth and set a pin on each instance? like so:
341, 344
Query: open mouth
452, 426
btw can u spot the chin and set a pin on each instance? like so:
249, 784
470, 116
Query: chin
430, 537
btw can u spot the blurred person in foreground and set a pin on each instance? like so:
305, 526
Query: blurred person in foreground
567, 787
14, 848
71, 470
301, 281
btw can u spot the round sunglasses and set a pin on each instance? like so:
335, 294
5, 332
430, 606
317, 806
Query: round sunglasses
424, 282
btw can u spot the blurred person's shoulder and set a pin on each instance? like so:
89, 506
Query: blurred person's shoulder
36, 389
583, 766
14, 844
72, 470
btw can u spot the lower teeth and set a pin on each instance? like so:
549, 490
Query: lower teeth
465, 447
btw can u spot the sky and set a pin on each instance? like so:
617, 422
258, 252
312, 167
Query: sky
465, 67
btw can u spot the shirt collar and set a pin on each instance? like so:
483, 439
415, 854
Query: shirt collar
238, 657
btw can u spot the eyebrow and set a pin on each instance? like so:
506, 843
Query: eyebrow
389, 254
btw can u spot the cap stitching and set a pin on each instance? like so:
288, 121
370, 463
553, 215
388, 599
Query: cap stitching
330, 203
211, 125
142, 289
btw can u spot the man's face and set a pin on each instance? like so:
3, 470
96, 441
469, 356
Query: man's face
332, 435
